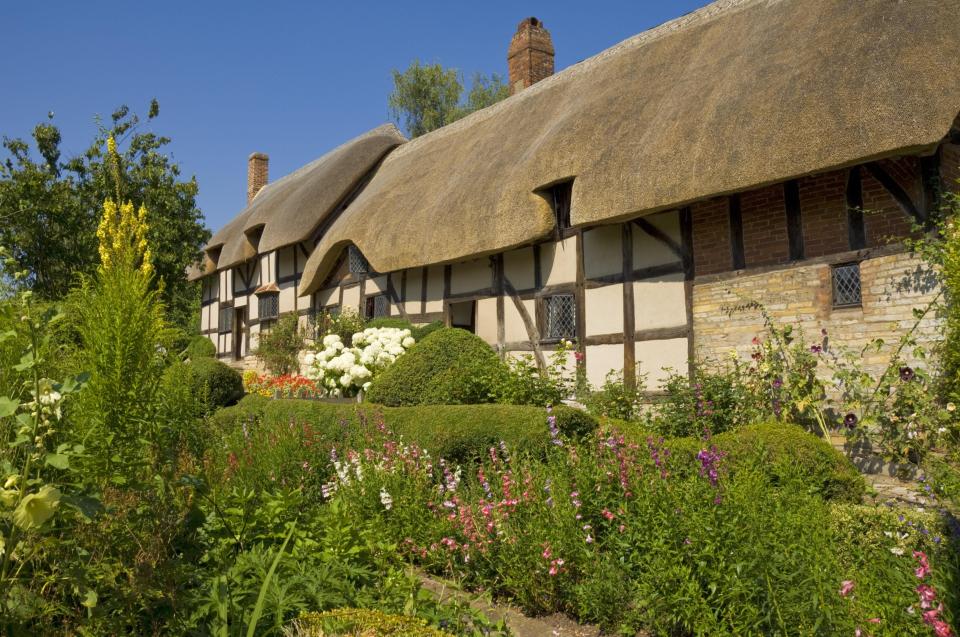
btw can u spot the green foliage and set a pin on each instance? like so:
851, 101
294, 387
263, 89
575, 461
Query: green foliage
635, 538
524, 383
450, 366
200, 346
213, 383
50, 207
123, 335
287, 442
616, 400
782, 453
344, 324
428, 96
714, 398
420, 332
261, 552
345, 622
278, 347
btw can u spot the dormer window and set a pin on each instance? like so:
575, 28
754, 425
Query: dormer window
560, 195
356, 262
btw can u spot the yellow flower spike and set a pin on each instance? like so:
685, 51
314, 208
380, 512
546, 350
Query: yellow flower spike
111, 145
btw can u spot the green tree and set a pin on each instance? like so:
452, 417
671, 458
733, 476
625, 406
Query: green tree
428, 96
50, 207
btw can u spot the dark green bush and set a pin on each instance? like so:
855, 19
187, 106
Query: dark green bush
201, 347
420, 332
783, 453
279, 346
459, 433
449, 367
215, 383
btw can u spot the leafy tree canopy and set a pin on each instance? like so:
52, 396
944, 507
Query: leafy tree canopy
50, 207
428, 96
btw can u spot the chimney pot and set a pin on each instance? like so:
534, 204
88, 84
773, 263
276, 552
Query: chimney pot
258, 173
530, 56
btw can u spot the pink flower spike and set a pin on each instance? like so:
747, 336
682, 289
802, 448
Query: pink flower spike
846, 587
874, 620
858, 632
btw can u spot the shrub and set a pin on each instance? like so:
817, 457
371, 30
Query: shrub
615, 399
344, 324
215, 383
200, 347
287, 442
784, 453
419, 332
449, 366
525, 383
279, 346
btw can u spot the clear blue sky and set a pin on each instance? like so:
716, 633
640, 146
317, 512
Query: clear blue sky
291, 79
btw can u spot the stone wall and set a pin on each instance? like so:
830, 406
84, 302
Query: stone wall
893, 285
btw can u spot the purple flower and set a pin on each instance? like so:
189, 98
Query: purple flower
906, 374
777, 383
850, 420
816, 349
708, 463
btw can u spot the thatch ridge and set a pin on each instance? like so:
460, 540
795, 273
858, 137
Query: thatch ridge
287, 211
733, 96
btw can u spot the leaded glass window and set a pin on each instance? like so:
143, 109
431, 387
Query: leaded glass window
846, 285
561, 316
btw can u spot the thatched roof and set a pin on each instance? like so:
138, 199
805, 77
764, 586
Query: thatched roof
288, 210
736, 95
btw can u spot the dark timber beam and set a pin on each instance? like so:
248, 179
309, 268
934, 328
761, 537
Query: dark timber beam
791, 198
895, 190
629, 321
856, 228
660, 235
736, 233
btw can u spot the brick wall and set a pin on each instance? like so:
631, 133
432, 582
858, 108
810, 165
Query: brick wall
883, 218
800, 295
823, 206
711, 236
764, 226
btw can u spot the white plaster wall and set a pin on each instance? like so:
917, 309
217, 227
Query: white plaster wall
604, 309
414, 284
653, 356
435, 289
514, 328
559, 261
487, 320
648, 251
330, 296
377, 285
288, 297
470, 276
351, 298
659, 303
602, 251
600, 360
286, 262
518, 268
265, 273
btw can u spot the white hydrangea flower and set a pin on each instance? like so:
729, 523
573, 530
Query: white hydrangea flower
408, 342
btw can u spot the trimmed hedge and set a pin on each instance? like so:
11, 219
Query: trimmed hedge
459, 433
784, 453
212, 381
201, 347
449, 367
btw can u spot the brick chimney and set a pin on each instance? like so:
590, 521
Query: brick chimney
257, 174
530, 56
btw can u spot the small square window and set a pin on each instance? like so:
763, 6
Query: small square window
226, 320
268, 306
356, 262
561, 316
846, 285
377, 306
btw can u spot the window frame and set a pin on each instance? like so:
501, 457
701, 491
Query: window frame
225, 326
274, 299
834, 268
545, 303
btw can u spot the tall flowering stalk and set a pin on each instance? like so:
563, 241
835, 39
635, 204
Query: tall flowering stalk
122, 234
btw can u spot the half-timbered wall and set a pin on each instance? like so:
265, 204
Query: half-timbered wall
650, 293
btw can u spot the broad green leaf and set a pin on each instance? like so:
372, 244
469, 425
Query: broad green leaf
88, 507
4, 336
8, 406
90, 599
58, 460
